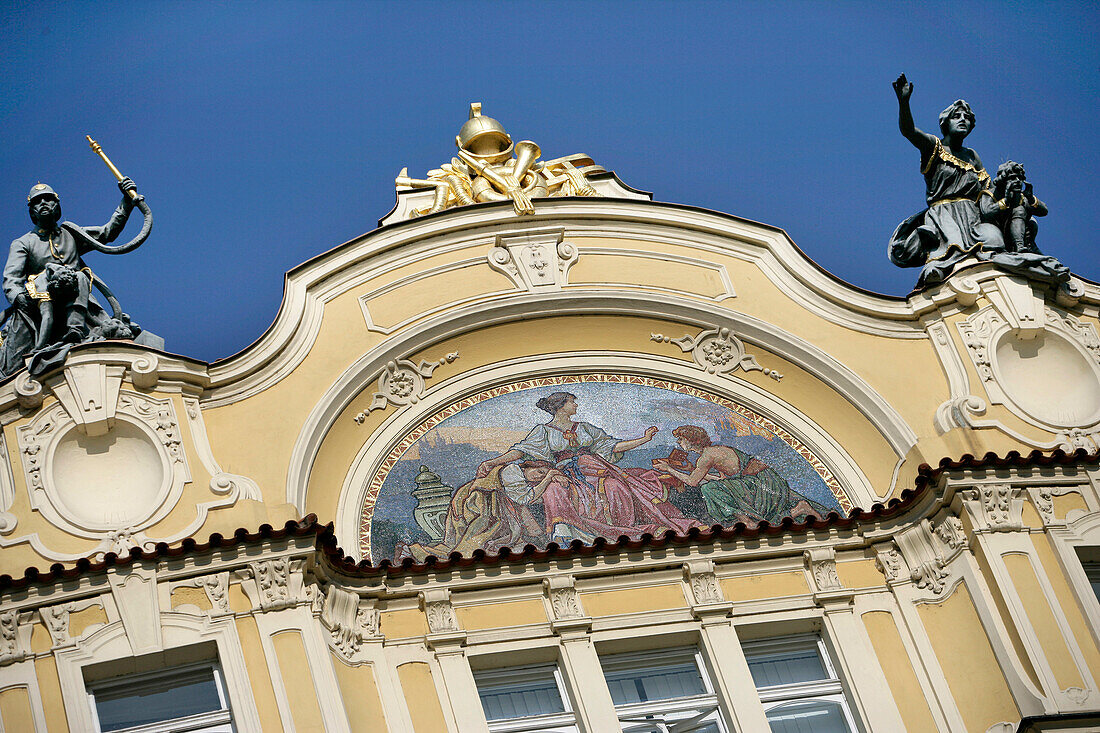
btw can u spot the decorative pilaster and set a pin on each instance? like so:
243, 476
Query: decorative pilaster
567, 617
709, 605
829, 592
15, 636
275, 584
56, 621
995, 507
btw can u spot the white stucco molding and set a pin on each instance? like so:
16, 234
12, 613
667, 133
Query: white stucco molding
110, 643
144, 368
314, 283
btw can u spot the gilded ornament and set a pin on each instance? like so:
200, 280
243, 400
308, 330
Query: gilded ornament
490, 167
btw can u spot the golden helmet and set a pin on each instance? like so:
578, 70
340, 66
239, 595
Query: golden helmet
484, 137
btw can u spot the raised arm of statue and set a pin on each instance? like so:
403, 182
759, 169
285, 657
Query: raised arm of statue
924, 142
109, 232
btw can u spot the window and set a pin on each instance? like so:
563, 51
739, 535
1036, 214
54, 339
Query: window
663, 691
190, 698
525, 699
800, 690
1092, 572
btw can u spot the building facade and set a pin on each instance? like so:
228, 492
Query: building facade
604, 464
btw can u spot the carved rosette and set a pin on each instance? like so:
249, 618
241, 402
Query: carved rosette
402, 383
717, 351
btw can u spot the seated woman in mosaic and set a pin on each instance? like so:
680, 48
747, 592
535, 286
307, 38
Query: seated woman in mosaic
492, 512
737, 487
595, 497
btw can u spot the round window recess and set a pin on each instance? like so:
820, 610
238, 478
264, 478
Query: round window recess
108, 481
1050, 378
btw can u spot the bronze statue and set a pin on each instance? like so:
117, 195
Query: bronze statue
1014, 206
50, 287
963, 220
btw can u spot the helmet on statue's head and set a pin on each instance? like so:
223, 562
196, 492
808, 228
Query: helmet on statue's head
484, 137
39, 190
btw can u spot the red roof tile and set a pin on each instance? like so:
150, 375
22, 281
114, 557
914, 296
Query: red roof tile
326, 540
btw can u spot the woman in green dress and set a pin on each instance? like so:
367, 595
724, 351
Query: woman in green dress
737, 487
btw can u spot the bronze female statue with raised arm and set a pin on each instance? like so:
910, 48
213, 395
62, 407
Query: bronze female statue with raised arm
958, 224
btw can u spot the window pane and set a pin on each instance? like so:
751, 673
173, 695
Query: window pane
653, 681
815, 716
1092, 570
536, 693
786, 667
158, 699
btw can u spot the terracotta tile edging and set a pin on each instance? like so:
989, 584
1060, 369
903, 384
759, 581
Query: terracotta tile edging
326, 541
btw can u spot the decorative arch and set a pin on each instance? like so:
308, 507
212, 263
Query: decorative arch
878, 412
378, 454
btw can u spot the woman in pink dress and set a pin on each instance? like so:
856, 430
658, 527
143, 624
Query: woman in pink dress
593, 497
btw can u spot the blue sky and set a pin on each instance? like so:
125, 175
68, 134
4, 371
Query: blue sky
264, 134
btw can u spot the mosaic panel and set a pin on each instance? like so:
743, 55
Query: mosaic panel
575, 457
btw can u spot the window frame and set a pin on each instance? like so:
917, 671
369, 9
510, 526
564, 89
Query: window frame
829, 689
1092, 574
674, 705
565, 721
214, 721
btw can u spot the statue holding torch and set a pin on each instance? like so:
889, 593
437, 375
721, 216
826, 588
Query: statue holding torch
50, 287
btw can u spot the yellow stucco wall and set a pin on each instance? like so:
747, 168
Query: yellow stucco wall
859, 574
15, 709
896, 665
765, 585
633, 600
975, 678
259, 675
81, 620
498, 615
1042, 621
401, 624
297, 681
362, 702
1068, 604
190, 597
421, 697
998, 596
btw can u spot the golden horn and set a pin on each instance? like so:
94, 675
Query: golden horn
527, 153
